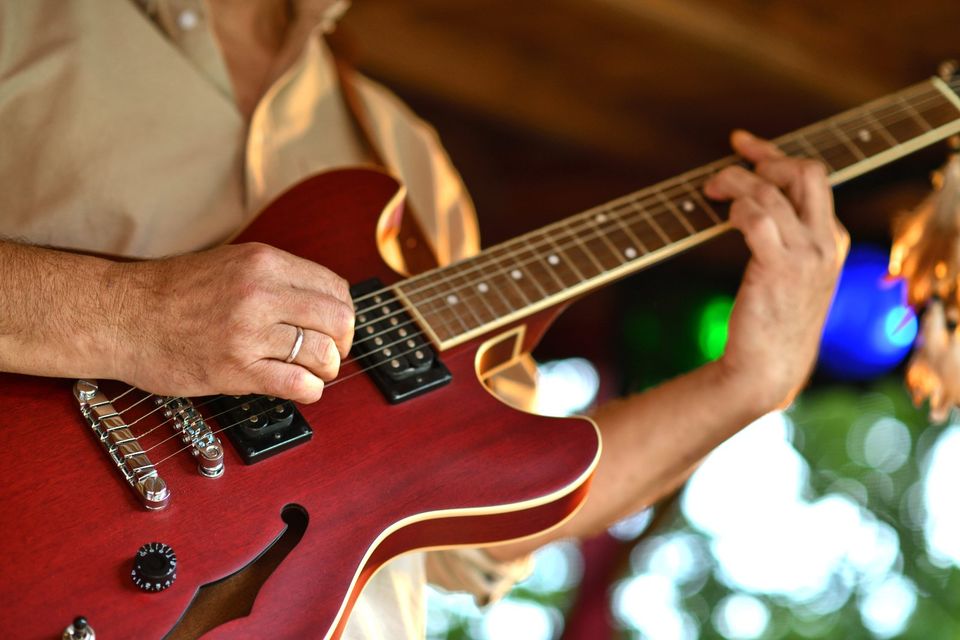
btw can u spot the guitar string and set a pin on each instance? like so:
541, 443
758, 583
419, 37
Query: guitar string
863, 114
598, 229
660, 209
333, 383
246, 418
846, 122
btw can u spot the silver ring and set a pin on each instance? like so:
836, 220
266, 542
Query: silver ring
296, 346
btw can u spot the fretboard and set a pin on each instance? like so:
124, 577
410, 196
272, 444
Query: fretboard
583, 252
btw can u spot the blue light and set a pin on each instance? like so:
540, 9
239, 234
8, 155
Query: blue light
900, 326
870, 328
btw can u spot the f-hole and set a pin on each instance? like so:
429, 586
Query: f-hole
232, 597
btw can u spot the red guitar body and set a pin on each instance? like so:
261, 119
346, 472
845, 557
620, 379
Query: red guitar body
455, 466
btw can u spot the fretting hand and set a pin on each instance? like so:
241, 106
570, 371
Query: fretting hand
224, 321
784, 208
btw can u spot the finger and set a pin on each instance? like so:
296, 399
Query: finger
806, 183
318, 352
288, 381
736, 183
752, 148
321, 313
759, 231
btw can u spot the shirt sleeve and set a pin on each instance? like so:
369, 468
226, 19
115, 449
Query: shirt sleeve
473, 571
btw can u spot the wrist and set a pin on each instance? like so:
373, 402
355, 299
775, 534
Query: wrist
119, 304
757, 394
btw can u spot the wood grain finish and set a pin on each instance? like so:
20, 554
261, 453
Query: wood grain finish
377, 480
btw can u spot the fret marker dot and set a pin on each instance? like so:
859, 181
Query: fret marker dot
864, 135
601, 217
452, 299
687, 206
482, 287
554, 260
516, 274
630, 252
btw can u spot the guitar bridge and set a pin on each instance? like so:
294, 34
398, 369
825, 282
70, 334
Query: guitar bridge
121, 445
391, 346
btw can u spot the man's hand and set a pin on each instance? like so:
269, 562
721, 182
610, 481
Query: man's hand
224, 321
784, 208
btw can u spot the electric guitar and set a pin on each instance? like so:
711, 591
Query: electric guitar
120, 505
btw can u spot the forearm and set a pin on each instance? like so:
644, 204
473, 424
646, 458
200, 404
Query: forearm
58, 312
651, 441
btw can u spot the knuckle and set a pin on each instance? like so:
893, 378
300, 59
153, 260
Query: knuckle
258, 256
295, 384
342, 319
342, 288
766, 194
813, 170
327, 353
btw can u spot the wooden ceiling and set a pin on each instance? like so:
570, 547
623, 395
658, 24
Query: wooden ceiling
631, 76
548, 107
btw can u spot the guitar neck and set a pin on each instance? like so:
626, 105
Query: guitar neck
578, 254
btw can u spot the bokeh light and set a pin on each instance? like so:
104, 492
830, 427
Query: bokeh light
870, 328
566, 387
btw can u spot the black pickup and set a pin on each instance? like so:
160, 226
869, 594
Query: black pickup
260, 426
391, 347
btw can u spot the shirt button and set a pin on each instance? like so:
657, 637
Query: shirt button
188, 19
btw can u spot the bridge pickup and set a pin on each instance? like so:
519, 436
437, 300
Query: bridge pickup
260, 426
391, 347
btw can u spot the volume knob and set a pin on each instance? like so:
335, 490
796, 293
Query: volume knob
154, 567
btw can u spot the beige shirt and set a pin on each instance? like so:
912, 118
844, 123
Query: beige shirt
122, 135
119, 134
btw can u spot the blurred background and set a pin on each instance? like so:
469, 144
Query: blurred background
836, 518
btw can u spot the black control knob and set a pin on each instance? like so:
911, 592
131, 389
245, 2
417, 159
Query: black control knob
154, 567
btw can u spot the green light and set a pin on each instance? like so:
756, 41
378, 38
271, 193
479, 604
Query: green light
712, 326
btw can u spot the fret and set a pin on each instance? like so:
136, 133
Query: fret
636, 241
489, 283
667, 223
592, 238
900, 125
604, 228
585, 263
937, 111
914, 113
500, 274
533, 270
512, 278
792, 147
811, 152
846, 141
472, 293
517, 277
695, 207
643, 227
427, 295
867, 134
534, 255
561, 264
626, 244
676, 212
831, 148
